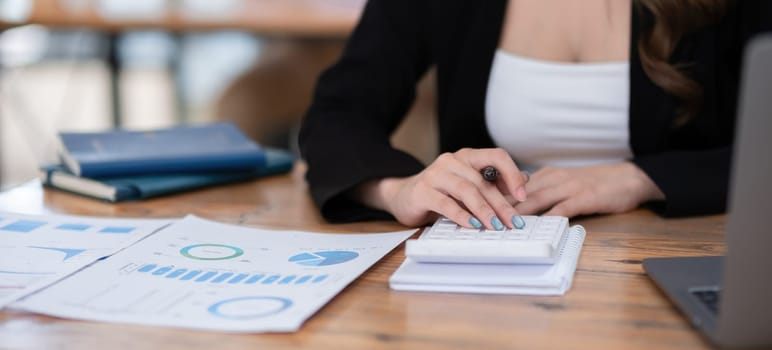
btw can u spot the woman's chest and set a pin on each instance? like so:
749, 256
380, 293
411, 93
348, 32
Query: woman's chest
568, 30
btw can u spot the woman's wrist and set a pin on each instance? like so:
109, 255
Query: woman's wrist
375, 193
644, 185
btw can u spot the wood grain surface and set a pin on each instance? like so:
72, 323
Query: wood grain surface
612, 305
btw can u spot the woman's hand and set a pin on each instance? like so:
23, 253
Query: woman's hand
612, 188
452, 186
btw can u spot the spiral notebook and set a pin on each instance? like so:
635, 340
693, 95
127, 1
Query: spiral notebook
553, 279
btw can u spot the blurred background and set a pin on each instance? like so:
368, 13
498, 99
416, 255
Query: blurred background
83, 65
86, 65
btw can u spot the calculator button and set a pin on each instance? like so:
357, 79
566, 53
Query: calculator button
468, 230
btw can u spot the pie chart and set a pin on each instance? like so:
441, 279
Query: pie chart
324, 258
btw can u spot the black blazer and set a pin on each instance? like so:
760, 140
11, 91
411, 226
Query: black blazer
361, 99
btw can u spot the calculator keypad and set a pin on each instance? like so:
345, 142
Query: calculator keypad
537, 228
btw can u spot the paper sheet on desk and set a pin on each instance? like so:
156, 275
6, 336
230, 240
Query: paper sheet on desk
211, 276
494, 278
37, 250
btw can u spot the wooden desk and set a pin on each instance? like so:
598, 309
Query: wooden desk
612, 304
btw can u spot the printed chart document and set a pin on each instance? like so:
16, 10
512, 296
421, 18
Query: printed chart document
37, 250
205, 275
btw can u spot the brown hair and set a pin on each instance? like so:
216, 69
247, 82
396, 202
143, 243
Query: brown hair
673, 19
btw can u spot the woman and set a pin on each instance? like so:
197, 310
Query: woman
611, 104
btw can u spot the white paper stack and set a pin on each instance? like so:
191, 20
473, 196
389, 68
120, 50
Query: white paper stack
526, 279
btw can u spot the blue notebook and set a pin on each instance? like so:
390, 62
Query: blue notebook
135, 187
207, 148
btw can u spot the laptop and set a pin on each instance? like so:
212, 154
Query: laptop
729, 298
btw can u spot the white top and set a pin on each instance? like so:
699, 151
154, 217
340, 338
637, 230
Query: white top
558, 114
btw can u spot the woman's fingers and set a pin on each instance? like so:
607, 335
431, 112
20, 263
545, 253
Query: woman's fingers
482, 198
570, 207
448, 207
453, 186
463, 194
545, 198
500, 159
478, 203
545, 178
505, 212
460, 189
545, 188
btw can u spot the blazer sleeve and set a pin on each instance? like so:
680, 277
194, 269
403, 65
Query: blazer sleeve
696, 181
358, 103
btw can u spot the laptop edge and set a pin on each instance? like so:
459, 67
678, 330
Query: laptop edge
745, 274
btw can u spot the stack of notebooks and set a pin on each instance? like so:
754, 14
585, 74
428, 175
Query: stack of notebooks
522, 279
124, 165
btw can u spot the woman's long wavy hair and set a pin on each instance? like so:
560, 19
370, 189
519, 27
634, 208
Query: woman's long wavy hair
672, 20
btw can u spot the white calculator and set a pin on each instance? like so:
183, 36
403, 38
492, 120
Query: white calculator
538, 242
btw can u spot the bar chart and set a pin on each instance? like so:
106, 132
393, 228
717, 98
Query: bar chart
30, 226
229, 277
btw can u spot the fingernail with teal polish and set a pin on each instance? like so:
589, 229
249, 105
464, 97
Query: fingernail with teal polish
518, 221
476, 223
497, 223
